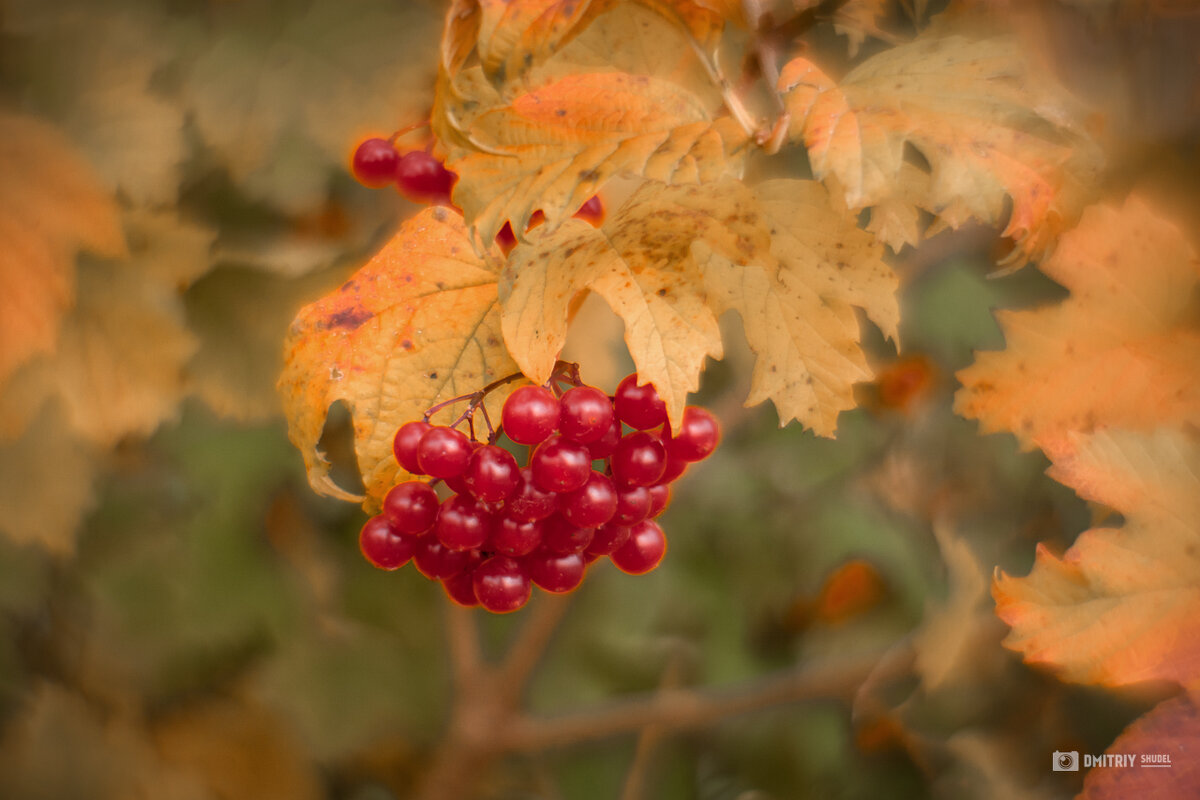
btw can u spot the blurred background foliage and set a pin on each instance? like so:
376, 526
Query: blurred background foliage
183, 618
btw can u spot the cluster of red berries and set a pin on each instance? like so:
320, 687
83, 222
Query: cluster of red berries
598, 472
422, 178
417, 175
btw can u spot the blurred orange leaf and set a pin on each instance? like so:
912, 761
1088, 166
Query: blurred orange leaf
1122, 351
985, 124
1123, 604
51, 205
854, 588
420, 323
554, 147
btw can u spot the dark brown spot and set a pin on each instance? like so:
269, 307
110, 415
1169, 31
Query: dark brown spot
349, 318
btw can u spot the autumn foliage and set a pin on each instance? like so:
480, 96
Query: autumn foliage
784, 184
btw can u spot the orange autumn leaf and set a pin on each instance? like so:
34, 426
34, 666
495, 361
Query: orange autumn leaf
554, 147
973, 110
852, 589
1122, 351
52, 204
419, 324
1123, 604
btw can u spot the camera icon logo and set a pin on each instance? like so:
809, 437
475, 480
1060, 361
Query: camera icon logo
1066, 761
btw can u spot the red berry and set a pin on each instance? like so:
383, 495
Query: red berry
559, 535
383, 546
436, 561
411, 507
529, 502
633, 505
462, 524
530, 414
404, 446
697, 435
492, 474
639, 406
421, 178
640, 459
660, 496
561, 466
608, 538
375, 163
674, 468
606, 445
645, 549
501, 585
592, 504
461, 588
515, 538
443, 452
585, 414
554, 572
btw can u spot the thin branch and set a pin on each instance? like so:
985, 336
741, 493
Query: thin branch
683, 709
462, 641
651, 735
527, 649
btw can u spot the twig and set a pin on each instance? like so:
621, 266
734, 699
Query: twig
651, 735
462, 641
683, 709
530, 645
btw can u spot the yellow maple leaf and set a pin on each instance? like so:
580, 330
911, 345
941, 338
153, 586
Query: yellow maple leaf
672, 259
988, 128
554, 147
51, 205
1122, 351
1123, 604
419, 324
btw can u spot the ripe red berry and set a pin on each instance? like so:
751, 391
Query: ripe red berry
606, 445
383, 546
514, 537
421, 178
411, 507
462, 524
443, 452
492, 474
559, 535
660, 497
639, 406
530, 414
645, 549
561, 466
697, 435
633, 505
404, 445
554, 572
608, 538
673, 469
529, 502
585, 414
640, 459
436, 561
374, 163
460, 587
501, 585
592, 504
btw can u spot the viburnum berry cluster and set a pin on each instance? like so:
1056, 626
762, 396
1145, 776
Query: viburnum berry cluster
597, 473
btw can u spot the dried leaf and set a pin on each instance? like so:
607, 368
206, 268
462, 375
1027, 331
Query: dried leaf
1171, 729
420, 323
797, 305
1122, 351
1123, 604
972, 109
672, 259
554, 147
51, 204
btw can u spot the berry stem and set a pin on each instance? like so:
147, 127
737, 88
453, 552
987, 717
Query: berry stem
408, 129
